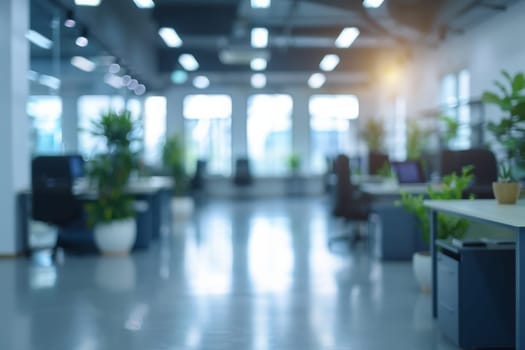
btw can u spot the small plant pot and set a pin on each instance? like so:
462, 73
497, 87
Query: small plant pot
506, 192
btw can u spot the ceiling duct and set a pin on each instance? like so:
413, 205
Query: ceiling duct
233, 55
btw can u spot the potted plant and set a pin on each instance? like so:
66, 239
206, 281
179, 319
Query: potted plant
506, 189
174, 160
373, 133
452, 187
112, 214
294, 163
509, 131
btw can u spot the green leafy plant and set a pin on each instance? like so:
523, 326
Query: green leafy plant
374, 132
109, 172
451, 127
416, 140
509, 131
174, 159
294, 162
505, 173
452, 188
385, 170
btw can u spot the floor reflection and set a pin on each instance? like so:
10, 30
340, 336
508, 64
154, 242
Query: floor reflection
239, 275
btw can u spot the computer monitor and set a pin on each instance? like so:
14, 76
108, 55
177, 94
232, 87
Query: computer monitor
408, 172
76, 166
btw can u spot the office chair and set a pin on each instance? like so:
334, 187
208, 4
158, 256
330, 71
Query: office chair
243, 175
197, 181
53, 201
376, 162
485, 169
349, 202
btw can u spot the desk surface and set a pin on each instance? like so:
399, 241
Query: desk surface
392, 188
485, 209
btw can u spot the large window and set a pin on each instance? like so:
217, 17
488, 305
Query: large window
455, 95
207, 129
46, 130
154, 129
90, 108
333, 128
269, 127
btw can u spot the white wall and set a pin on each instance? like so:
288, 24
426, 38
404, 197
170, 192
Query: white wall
484, 50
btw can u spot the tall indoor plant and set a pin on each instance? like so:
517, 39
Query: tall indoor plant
174, 160
452, 187
509, 131
112, 214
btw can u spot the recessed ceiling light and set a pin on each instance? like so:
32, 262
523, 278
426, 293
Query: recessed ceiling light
133, 83
70, 20
259, 37
329, 62
258, 63
179, 77
201, 82
82, 39
114, 68
114, 81
347, 37
316, 80
170, 37
32, 75
83, 63
260, 3
140, 90
87, 2
188, 62
38, 39
372, 3
258, 80
144, 4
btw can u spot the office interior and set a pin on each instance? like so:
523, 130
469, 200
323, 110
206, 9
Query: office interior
294, 236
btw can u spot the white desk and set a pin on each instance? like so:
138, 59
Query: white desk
488, 211
394, 189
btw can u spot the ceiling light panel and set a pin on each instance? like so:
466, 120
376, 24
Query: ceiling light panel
83, 63
258, 64
188, 62
258, 80
372, 3
38, 39
144, 4
201, 82
87, 2
257, 4
347, 37
316, 80
170, 37
259, 37
329, 62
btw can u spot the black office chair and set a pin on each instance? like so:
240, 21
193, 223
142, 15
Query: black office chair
349, 202
485, 169
243, 175
197, 181
53, 201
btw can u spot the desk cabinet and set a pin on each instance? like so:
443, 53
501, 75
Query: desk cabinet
476, 295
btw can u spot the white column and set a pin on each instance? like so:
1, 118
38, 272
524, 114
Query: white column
239, 116
174, 117
301, 127
70, 122
14, 123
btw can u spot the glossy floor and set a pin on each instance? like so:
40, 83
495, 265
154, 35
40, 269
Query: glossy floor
241, 275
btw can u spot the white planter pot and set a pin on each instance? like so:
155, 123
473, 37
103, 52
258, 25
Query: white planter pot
422, 266
116, 237
182, 208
